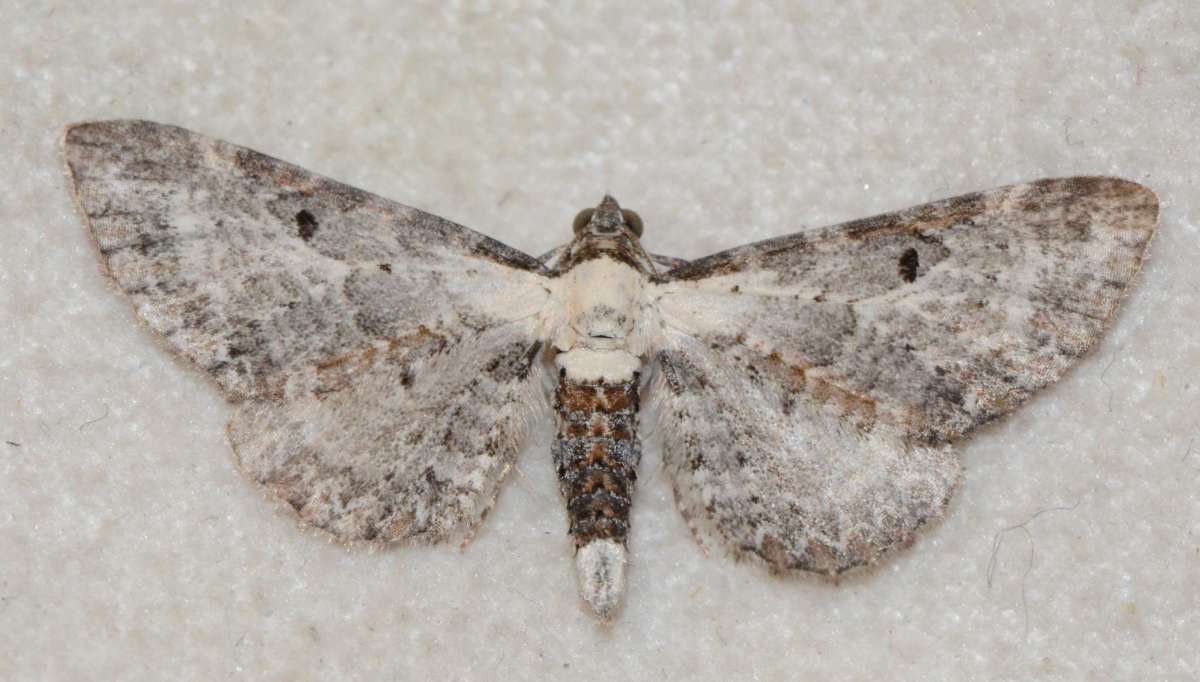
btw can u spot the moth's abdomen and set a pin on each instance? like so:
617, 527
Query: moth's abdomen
596, 453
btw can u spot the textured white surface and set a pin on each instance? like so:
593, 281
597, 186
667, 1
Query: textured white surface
132, 548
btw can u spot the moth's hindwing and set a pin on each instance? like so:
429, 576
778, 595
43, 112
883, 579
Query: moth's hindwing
813, 383
407, 442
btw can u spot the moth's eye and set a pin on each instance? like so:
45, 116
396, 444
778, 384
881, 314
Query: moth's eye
583, 218
633, 220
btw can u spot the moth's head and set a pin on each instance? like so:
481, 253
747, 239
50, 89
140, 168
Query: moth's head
608, 220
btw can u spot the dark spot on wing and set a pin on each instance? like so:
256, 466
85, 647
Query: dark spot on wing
908, 265
386, 267
307, 224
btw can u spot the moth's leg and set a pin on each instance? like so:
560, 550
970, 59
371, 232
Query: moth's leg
596, 453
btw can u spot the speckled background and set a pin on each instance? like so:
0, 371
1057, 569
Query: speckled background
130, 548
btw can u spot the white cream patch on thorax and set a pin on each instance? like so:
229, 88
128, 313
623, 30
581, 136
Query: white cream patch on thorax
599, 331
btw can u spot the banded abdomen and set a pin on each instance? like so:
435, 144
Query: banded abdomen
596, 453
599, 338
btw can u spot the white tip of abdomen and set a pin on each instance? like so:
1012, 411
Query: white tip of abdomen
600, 565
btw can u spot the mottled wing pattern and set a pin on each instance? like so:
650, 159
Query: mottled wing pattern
252, 268
756, 462
865, 349
323, 312
408, 441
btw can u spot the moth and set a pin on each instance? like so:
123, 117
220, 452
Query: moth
385, 365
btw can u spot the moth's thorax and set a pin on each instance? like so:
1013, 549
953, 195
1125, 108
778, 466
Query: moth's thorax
603, 297
600, 330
